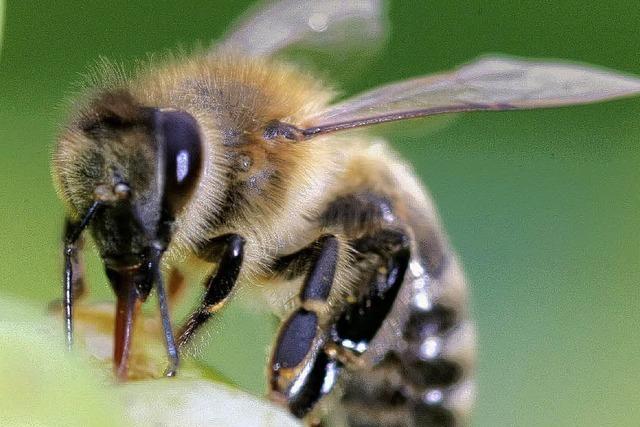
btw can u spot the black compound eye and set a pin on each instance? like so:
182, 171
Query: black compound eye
183, 155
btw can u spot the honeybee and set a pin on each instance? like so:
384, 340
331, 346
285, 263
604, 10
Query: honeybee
234, 159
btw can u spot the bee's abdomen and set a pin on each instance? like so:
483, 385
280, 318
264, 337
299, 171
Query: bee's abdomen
420, 364
412, 338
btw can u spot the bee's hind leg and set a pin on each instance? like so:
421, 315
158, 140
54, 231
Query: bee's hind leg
360, 320
312, 345
300, 371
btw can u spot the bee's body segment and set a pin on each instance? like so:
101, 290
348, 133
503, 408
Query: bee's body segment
238, 160
382, 390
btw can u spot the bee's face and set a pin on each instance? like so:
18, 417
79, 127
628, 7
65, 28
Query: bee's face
140, 162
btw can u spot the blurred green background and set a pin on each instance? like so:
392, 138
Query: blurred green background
543, 207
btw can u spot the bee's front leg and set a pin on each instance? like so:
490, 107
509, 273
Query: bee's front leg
227, 251
76, 265
73, 281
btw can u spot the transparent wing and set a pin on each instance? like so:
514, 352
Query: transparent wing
323, 24
490, 83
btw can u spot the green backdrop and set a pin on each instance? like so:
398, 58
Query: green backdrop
543, 207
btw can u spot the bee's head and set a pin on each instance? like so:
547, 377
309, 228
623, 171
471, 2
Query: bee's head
141, 163
133, 167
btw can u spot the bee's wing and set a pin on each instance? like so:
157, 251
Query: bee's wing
275, 25
488, 84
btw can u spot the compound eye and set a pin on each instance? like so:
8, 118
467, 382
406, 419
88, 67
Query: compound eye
183, 156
